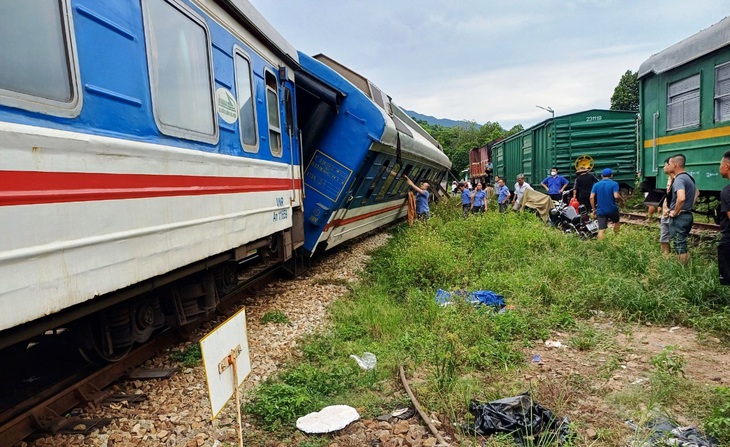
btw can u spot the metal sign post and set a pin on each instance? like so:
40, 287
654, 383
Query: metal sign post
227, 363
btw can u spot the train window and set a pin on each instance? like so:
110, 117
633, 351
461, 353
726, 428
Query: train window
272, 108
246, 106
375, 181
412, 173
399, 185
424, 176
356, 191
683, 103
722, 92
393, 190
389, 181
38, 65
181, 78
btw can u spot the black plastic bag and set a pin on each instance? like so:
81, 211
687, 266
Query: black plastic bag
520, 417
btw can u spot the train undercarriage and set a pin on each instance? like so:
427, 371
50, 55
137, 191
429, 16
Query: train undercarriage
105, 329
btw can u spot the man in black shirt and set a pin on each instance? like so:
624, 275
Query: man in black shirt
723, 250
583, 185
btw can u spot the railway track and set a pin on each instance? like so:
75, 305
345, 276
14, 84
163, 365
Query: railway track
49, 409
698, 228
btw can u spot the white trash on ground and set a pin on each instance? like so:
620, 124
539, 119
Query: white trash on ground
328, 419
367, 361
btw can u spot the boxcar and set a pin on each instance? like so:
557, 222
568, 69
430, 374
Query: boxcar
608, 137
478, 159
684, 96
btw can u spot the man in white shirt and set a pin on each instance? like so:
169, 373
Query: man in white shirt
520, 187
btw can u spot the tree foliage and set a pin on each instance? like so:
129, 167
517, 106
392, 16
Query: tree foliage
626, 94
457, 141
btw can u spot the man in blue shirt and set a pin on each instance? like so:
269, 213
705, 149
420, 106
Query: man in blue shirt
503, 197
465, 199
422, 209
603, 202
555, 184
478, 199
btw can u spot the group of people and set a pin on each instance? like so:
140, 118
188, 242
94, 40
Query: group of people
475, 201
601, 198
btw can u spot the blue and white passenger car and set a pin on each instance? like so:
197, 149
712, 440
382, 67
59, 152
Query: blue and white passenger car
138, 138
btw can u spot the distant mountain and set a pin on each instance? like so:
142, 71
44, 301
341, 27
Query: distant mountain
441, 121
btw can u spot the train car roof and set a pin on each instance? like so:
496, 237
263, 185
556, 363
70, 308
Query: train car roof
379, 97
706, 41
248, 16
415, 140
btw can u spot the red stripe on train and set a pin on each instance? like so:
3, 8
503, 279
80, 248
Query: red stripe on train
33, 187
349, 220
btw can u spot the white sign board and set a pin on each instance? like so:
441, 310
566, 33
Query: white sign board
216, 348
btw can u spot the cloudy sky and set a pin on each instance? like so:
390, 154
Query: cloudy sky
489, 60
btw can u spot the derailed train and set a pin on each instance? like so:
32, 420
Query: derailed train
148, 141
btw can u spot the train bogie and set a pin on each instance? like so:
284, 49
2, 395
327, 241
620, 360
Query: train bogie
684, 95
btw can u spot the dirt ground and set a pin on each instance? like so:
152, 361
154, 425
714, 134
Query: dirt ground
620, 365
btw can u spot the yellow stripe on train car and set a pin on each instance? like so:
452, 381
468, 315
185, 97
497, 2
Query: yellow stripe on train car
690, 136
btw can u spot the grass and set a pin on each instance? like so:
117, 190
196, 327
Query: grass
275, 316
552, 282
190, 357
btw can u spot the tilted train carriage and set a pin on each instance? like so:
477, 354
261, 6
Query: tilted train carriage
149, 141
353, 178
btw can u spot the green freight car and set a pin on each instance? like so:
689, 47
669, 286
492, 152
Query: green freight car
684, 97
606, 138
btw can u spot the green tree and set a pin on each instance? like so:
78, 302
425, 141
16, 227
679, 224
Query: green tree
626, 94
458, 141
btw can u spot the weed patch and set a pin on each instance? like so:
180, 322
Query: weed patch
551, 282
190, 357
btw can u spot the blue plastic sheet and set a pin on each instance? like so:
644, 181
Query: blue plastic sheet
485, 297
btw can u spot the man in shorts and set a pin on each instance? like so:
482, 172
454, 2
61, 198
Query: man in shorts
664, 204
723, 249
684, 194
603, 202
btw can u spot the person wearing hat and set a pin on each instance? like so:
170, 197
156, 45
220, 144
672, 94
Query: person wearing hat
583, 186
603, 202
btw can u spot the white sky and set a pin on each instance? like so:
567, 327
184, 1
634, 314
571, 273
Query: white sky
488, 60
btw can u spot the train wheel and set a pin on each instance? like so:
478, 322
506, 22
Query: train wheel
147, 318
226, 279
106, 337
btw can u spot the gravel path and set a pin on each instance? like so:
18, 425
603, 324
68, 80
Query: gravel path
177, 410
